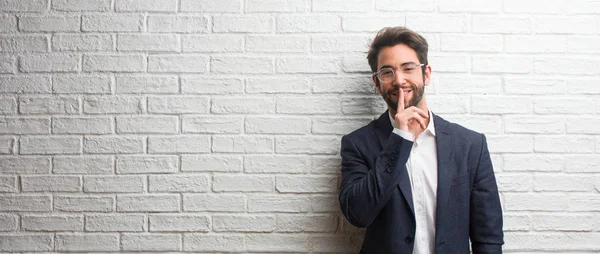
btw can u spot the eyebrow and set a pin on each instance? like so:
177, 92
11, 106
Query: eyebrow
403, 64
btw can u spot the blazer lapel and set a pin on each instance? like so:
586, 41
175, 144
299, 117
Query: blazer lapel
383, 132
445, 157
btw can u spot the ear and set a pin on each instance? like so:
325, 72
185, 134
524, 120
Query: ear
427, 77
376, 83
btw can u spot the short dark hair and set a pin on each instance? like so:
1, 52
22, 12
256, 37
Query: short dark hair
391, 36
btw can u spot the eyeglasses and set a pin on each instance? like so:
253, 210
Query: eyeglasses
387, 74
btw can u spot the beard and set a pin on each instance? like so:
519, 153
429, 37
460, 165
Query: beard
417, 96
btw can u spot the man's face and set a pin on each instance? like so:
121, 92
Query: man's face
412, 82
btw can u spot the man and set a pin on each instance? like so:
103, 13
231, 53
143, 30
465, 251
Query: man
417, 182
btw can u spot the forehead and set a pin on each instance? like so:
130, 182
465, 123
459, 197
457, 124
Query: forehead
396, 55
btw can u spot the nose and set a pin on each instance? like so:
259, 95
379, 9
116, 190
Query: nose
399, 78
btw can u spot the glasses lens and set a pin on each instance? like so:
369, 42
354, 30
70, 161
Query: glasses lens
410, 68
386, 74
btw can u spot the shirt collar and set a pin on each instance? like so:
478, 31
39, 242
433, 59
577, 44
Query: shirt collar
430, 127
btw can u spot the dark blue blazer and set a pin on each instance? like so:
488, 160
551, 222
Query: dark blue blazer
375, 191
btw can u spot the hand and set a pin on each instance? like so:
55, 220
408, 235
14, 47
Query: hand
412, 119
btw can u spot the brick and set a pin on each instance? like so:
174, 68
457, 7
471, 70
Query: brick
534, 124
371, 24
395, 6
115, 223
277, 243
114, 63
343, 85
582, 163
212, 43
581, 44
49, 145
178, 104
213, 242
84, 203
324, 204
25, 203
564, 106
535, 202
21, 125
81, 5
148, 42
243, 223
334, 243
8, 106
501, 105
583, 203
241, 65
363, 105
118, 104
302, 64
470, 84
565, 25
141, 84
113, 144
245, 105
214, 203
86, 242
340, 43
47, 183
515, 182
179, 223
494, 24
563, 183
178, 24
277, 43
513, 222
472, 43
142, 164
277, 85
535, 44
81, 84
453, 104
178, 183
558, 66
23, 43
516, 85
449, 63
243, 24
342, 6
536, 6
27, 6
280, 203
308, 24
7, 145
242, 183
327, 164
203, 85
25, 165
591, 125
83, 165
8, 24
148, 203
82, 125
177, 63
211, 163
147, 124
276, 164
308, 105
337, 125
470, 6
453, 23
276, 6
277, 125
8, 64
242, 144
564, 222
25, 84
25, 242
82, 42
151, 242
114, 184
533, 163
49, 105
564, 144
306, 184
306, 223
211, 6
8, 222
52, 223
146, 5
112, 23
355, 63
582, 7
8, 184
510, 144
212, 124
49, 23
179, 144
484, 124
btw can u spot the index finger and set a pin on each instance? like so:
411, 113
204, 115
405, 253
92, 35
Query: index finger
400, 100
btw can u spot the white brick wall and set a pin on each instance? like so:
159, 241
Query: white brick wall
214, 126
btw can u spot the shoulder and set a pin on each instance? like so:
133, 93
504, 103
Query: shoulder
363, 133
460, 133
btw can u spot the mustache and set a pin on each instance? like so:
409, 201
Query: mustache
395, 89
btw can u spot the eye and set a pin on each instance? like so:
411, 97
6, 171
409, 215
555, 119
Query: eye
386, 72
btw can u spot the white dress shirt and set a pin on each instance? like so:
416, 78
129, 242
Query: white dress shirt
422, 171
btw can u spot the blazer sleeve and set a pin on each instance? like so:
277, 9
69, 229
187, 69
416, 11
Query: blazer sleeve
486, 212
364, 191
